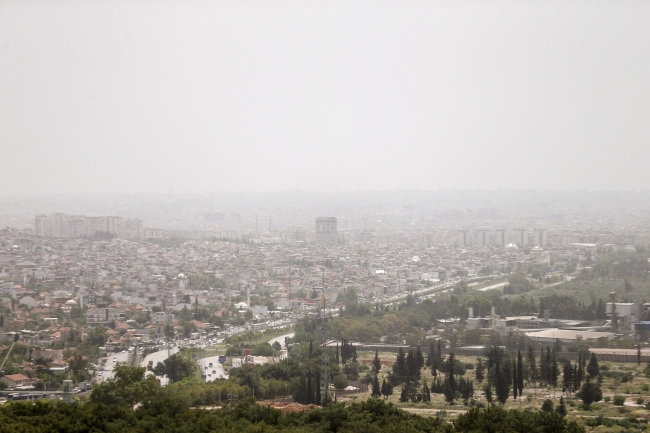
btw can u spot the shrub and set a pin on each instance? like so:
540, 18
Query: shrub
469, 366
607, 399
639, 400
619, 400
340, 381
547, 406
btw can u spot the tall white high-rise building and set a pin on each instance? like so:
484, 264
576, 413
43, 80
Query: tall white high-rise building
59, 224
539, 238
463, 238
501, 237
482, 238
43, 226
326, 231
521, 238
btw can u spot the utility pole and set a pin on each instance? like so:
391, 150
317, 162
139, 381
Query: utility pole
325, 362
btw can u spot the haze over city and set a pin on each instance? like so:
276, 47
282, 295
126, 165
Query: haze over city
324, 216
323, 96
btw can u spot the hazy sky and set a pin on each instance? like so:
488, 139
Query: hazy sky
109, 96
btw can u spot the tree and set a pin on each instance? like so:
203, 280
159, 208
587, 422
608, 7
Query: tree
426, 393
129, 386
480, 370
547, 405
340, 381
376, 363
502, 384
487, 390
169, 331
376, 389
590, 392
638, 354
176, 367
277, 346
514, 381
592, 367
520, 374
386, 389
561, 408
450, 371
448, 392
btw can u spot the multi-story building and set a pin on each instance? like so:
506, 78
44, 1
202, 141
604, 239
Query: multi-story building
463, 238
76, 226
521, 238
59, 224
161, 317
539, 238
326, 231
104, 315
79, 225
43, 226
482, 238
501, 237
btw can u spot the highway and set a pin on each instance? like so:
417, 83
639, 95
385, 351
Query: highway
108, 367
213, 372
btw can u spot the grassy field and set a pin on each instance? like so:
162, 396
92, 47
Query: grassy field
586, 291
638, 388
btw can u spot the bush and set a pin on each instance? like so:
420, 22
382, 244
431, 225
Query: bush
607, 399
340, 381
639, 400
547, 406
469, 366
619, 400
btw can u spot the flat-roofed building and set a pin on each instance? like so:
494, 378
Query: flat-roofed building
326, 231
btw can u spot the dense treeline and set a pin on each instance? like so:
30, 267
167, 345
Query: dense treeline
167, 414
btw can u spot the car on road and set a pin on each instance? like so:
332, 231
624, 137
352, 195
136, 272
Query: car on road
214, 371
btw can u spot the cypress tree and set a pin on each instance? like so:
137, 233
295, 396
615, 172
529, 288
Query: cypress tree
520, 374
376, 363
514, 380
448, 392
376, 390
384, 390
310, 392
638, 354
592, 368
554, 370
419, 358
450, 372
426, 393
502, 386
311, 348
432, 353
480, 370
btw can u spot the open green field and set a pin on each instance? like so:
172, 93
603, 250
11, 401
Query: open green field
635, 387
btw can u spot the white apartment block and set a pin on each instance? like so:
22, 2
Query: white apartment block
501, 237
463, 238
104, 315
482, 238
161, 317
326, 231
43, 225
539, 238
79, 225
521, 238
